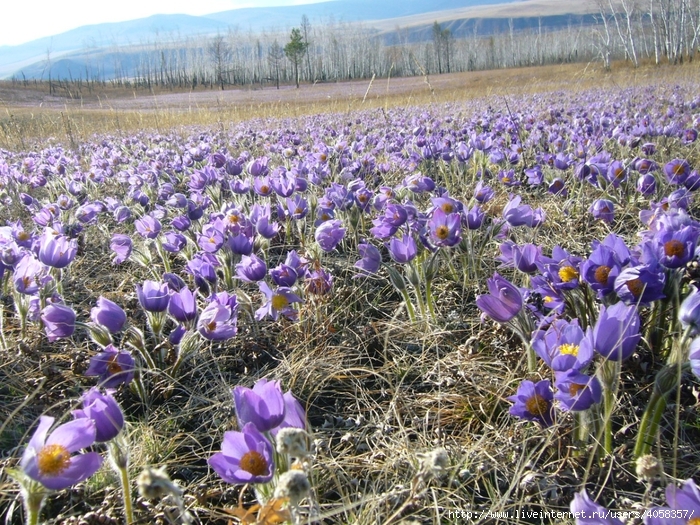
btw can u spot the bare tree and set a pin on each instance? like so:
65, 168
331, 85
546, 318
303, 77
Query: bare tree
220, 53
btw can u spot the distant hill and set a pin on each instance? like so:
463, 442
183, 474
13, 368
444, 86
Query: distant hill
104, 49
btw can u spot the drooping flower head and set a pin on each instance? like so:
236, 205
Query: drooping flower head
50, 459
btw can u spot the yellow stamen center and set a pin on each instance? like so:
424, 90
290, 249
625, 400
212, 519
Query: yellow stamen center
674, 248
694, 521
254, 463
279, 301
568, 349
568, 274
601, 274
52, 460
537, 405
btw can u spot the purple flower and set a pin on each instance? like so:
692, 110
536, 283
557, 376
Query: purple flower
445, 228
616, 332
153, 296
251, 268
277, 302
59, 321
219, 321
263, 405
677, 171
577, 391
294, 415
121, 245
587, 512
533, 401
503, 302
174, 242
676, 247
284, 275
57, 251
104, 410
646, 184
329, 234
603, 209
474, 217
695, 356
689, 311
183, 305
370, 260
402, 250
517, 215
28, 274
245, 457
109, 315
600, 269
112, 366
483, 193
148, 226
563, 346
49, 459
640, 285
686, 501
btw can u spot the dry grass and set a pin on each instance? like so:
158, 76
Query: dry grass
377, 388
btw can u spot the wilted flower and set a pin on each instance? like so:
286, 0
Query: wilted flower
245, 457
49, 459
533, 401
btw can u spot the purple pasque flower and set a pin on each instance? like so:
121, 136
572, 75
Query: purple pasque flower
59, 321
104, 410
277, 302
266, 227
112, 366
263, 405
685, 501
533, 401
245, 457
109, 315
251, 268
402, 250
689, 311
603, 209
503, 302
284, 275
174, 242
516, 214
601, 269
646, 184
297, 207
50, 459
473, 218
153, 296
640, 285
121, 245
677, 171
318, 282
444, 228
563, 346
329, 234
55, 250
148, 227
182, 305
675, 247
483, 193
588, 512
28, 275
695, 356
241, 244
371, 259
577, 391
526, 257
203, 268
294, 414
616, 332
219, 320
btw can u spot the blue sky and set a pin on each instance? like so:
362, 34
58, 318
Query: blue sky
24, 20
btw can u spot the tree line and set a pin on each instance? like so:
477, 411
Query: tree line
659, 30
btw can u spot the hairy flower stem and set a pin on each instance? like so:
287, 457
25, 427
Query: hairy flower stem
126, 494
610, 378
119, 458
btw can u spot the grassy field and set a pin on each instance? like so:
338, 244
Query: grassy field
405, 382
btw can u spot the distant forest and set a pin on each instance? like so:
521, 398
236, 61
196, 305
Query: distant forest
635, 30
